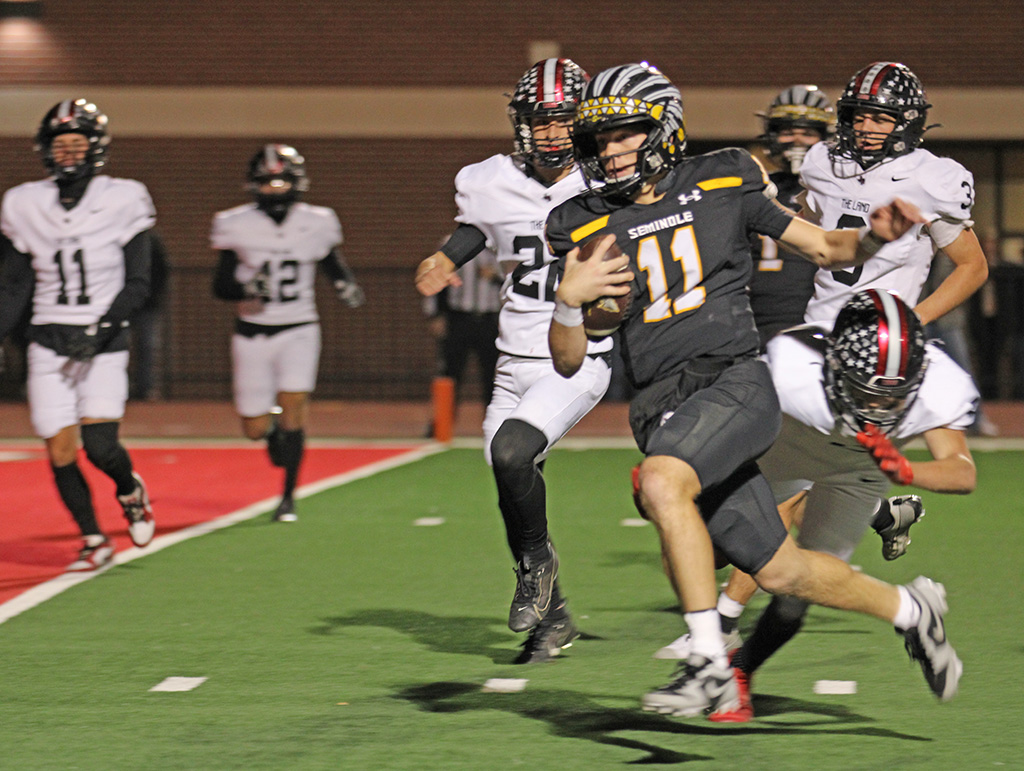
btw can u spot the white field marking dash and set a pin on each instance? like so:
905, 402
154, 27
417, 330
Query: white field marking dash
634, 522
505, 685
428, 521
178, 684
50, 589
836, 687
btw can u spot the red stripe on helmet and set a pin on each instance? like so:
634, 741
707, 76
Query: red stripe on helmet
551, 85
883, 332
904, 338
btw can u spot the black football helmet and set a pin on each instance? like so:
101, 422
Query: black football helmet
551, 88
800, 106
282, 167
630, 95
874, 362
74, 116
277, 162
887, 87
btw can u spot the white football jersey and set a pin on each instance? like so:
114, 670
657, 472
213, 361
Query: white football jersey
841, 195
77, 255
511, 209
947, 398
288, 253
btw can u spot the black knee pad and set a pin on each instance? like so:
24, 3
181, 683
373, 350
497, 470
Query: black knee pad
101, 443
515, 447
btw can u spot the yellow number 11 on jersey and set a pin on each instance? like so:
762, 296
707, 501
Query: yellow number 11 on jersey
685, 252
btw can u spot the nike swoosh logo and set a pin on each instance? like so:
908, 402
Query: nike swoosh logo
899, 179
935, 632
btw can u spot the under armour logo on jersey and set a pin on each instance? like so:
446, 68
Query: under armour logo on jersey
692, 198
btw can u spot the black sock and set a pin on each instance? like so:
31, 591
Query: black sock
883, 517
778, 625
104, 450
728, 624
275, 444
293, 445
75, 493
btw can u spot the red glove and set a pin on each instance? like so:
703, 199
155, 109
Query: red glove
892, 462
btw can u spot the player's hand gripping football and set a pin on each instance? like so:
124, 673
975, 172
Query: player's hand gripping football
435, 273
584, 281
894, 220
892, 462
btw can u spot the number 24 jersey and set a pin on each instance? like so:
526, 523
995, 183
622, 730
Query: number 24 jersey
510, 208
690, 253
77, 255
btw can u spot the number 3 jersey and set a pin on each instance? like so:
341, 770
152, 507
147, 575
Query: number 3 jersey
690, 254
77, 255
840, 194
287, 254
510, 208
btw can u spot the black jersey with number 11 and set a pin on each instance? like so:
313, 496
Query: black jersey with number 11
690, 252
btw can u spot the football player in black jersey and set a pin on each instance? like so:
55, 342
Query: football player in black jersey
705, 407
782, 282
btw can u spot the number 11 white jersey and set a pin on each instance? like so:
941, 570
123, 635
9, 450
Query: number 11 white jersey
77, 255
511, 209
841, 195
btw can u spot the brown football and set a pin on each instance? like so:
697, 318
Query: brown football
604, 315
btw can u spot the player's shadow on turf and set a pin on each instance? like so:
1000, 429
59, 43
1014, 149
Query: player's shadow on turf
444, 634
573, 715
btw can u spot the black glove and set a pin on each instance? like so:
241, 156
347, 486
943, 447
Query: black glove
92, 341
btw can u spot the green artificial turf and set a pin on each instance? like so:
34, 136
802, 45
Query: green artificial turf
357, 640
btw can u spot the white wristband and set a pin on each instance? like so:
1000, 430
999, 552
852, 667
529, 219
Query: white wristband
566, 315
870, 242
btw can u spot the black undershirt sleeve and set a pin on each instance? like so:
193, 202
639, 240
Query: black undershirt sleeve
224, 285
334, 265
137, 274
465, 243
17, 281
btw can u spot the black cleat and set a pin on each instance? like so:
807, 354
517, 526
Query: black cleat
548, 639
535, 583
285, 511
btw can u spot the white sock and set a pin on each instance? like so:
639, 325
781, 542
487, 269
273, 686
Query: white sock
728, 607
909, 613
706, 633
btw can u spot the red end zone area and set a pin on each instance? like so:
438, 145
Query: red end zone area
188, 486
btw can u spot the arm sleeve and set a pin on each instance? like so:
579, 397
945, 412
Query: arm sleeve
225, 287
334, 265
464, 244
17, 281
137, 273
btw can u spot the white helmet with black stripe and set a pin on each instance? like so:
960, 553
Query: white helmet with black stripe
630, 95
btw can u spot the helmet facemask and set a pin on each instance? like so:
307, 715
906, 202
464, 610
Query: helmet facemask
635, 96
891, 89
77, 116
282, 169
797, 107
549, 91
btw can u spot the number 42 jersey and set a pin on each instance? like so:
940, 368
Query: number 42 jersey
77, 255
510, 208
690, 255
287, 254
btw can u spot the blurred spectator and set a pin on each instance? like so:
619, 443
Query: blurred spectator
147, 326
